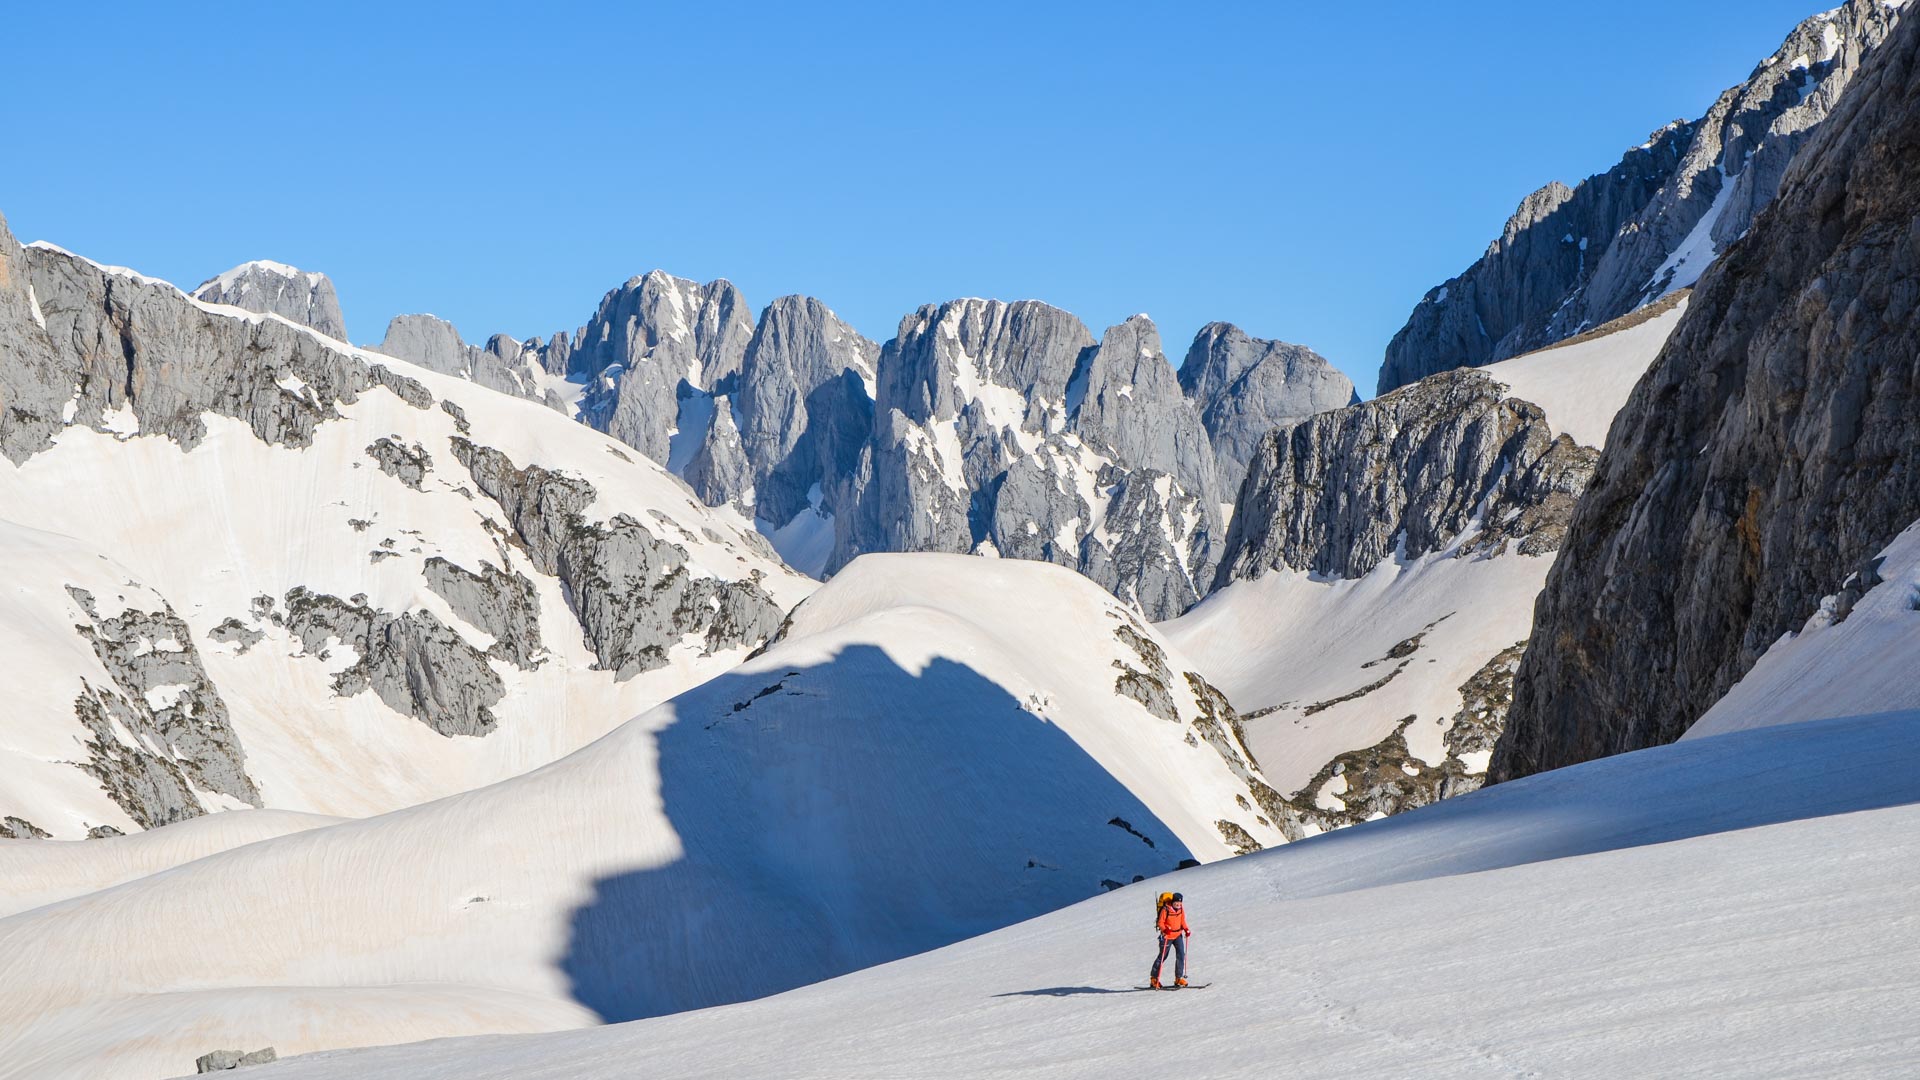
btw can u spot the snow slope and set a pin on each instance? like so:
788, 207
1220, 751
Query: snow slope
34, 873
1582, 384
1857, 660
1722, 907
938, 747
1326, 666
139, 522
1289, 642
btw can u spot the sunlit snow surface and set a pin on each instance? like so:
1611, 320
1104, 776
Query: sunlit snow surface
207, 531
935, 750
1289, 641
1735, 906
1868, 661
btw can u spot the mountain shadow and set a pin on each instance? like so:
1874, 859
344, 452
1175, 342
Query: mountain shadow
846, 814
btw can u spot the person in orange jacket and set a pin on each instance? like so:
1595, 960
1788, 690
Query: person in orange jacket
1174, 932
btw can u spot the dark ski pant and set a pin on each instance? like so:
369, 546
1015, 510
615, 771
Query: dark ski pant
1178, 944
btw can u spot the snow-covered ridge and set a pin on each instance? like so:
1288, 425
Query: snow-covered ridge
924, 756
333, 484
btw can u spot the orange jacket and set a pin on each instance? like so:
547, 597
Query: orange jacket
1173, 921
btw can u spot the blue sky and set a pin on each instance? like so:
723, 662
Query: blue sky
1305, 171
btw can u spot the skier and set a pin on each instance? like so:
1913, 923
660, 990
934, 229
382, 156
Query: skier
1174, 931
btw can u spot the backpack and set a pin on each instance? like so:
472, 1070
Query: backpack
1161, 905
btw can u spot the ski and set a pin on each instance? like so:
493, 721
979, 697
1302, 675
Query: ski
1189, 986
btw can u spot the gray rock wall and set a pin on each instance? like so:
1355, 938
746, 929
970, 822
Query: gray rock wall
1770, 449
635, 595
1408, 472
183, 741
278, 289
1574, 258
1245, 387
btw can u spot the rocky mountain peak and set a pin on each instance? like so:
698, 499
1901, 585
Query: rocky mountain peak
1245, 387
275, 288
1767, 453
1572, 259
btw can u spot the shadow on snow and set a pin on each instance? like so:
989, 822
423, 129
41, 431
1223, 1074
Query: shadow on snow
844, 815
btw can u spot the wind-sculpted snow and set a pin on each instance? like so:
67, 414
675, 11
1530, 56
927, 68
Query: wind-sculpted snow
1574, 258
1767, 453
936, 748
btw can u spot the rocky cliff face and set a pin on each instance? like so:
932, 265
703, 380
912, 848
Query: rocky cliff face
1405, 475
1245, 387
278, 289
1006, 429
505, 364
1769, 450
796, 416
155, 397
1574, 258
655, 342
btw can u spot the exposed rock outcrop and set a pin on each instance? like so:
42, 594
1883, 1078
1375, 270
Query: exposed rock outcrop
224, 1060
1245, 387
182, 740
1573, 258
1405, 474
416, 664
501, 602
504, 364
1769, 450
137, 356
407, 464
19, 828
1005, 429
634, 593
799, 410
278, 289
654, 342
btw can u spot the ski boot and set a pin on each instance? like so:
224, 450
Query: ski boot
1154, 983
1178, 983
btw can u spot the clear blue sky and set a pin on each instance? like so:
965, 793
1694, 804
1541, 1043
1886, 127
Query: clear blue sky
1305, 171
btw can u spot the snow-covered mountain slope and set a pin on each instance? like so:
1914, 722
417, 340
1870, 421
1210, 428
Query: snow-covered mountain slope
246, 564
1370, 687
937, 747
1723, 907
36, 874
1582, 383
1856, 654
